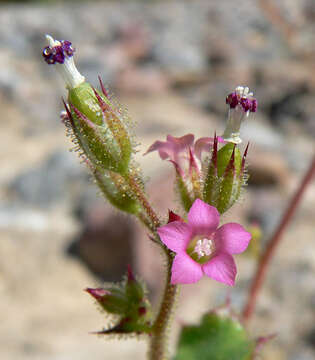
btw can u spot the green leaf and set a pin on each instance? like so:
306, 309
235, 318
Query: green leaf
216, 338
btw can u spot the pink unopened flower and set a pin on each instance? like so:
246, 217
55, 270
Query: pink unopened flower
183, 152
201, 247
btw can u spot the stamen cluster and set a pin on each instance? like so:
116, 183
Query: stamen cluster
58, 52
204, 247
241, 96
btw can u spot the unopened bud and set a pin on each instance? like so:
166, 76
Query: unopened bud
225, 177
112, 300
129, 302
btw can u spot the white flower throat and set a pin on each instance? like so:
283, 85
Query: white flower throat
204, 247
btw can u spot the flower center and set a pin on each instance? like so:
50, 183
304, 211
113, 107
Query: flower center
201, 249
204, 247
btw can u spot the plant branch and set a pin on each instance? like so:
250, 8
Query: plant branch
158, 344
274, 242
138, 192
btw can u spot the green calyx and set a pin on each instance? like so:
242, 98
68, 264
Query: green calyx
129, 303
100, 129
224, 159
225, 177
117, 191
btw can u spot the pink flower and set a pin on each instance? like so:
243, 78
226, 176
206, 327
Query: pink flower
183, 152
201, 247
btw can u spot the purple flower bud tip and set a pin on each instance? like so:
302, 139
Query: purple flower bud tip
98, 293
58, 52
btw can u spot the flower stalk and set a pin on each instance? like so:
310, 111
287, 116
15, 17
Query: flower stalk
139, 194
266, 257
158, 348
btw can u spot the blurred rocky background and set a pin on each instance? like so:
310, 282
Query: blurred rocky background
171, 63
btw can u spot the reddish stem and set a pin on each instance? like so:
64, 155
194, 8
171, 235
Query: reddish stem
272, 245
155, 222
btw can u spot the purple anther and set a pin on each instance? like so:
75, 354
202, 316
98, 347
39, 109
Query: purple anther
58, 53
67, 47
254, 105
246, 104
232, 100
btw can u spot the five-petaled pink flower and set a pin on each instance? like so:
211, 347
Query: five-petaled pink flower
201, 247
183, 152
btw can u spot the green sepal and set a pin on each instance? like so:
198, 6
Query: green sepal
225, 177
129, 303
211, 188
97, 143
83, 98
135, 290
115, 302
218, 337
99, 129
184, 194
117, 191
224, 157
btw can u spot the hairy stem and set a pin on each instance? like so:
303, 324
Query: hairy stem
158, 343
154, 221
273, 243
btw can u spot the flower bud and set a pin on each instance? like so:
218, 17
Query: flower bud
225, 176
116, 190
129, 302
112, 300
99, 127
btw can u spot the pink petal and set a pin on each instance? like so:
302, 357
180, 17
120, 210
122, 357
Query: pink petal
232, 238
181, 143
206, 144
164, 148
203, 218
221, 268
175, 235
172, 147
203, 144
185, 270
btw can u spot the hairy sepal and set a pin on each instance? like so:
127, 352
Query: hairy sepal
100, 129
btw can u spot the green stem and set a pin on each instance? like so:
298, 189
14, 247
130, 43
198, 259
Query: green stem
158, 344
